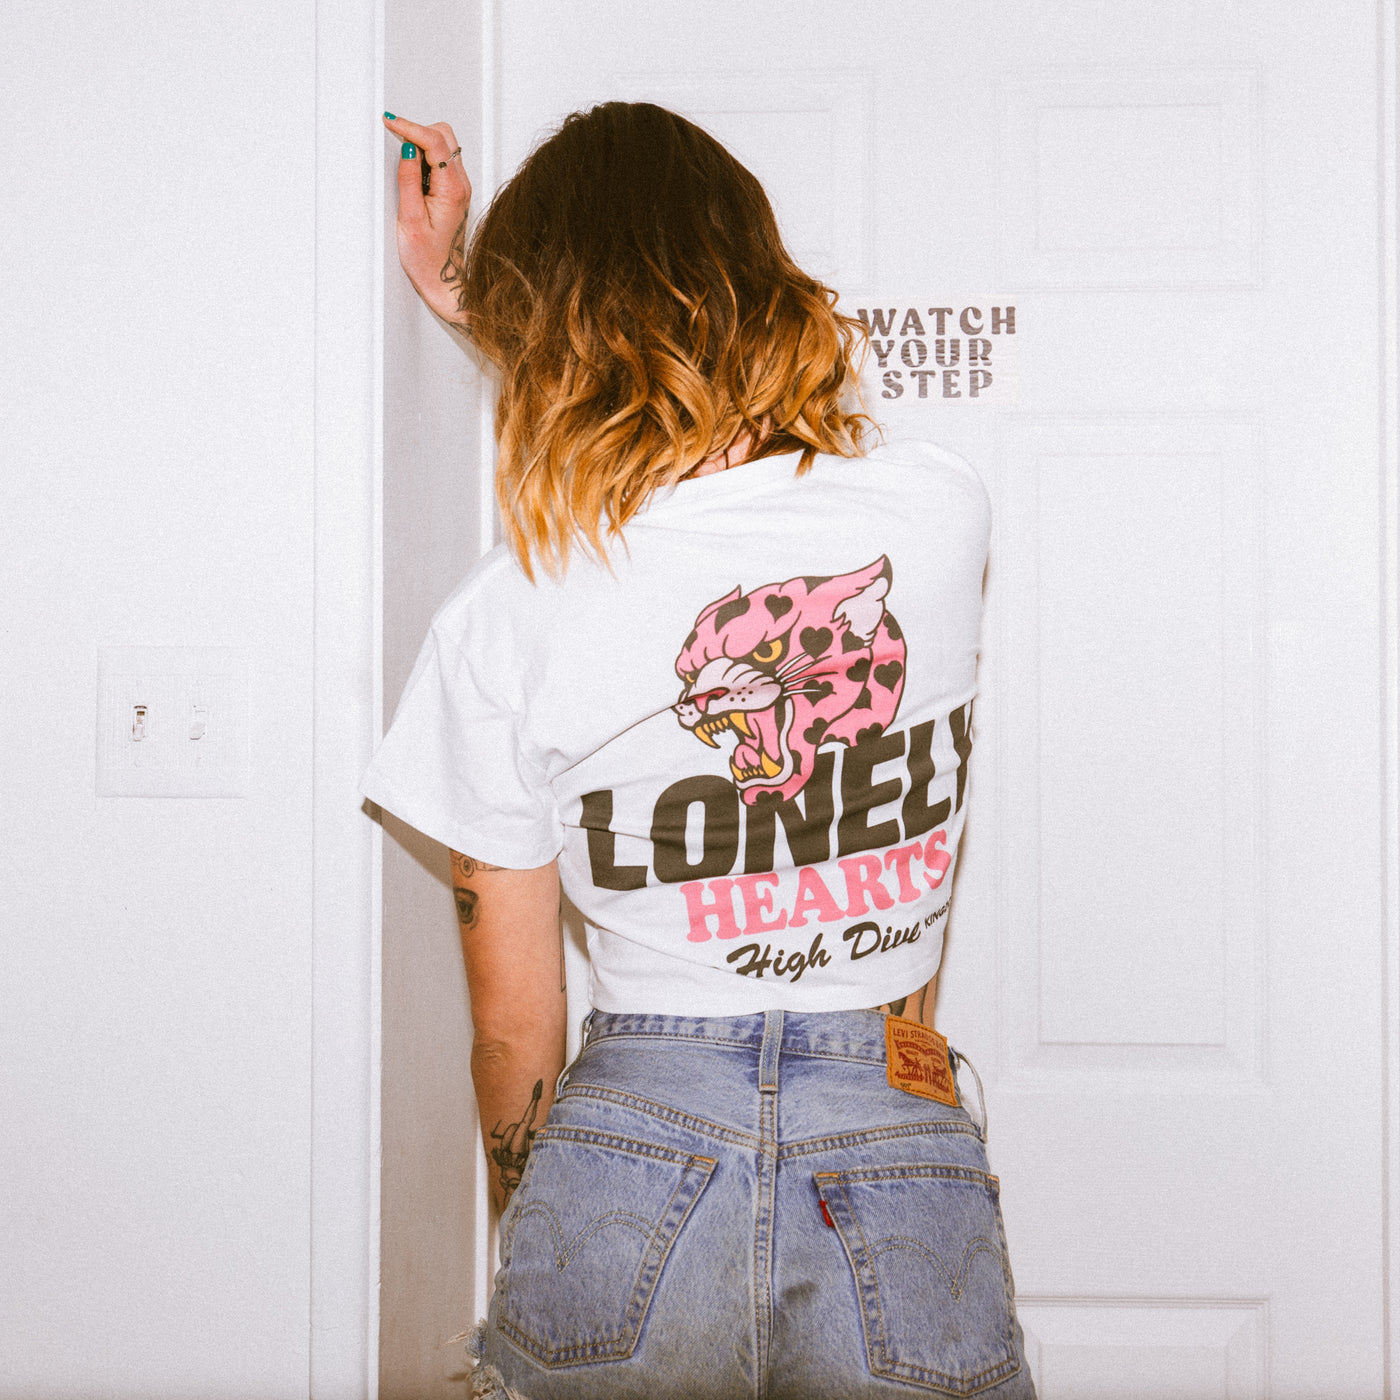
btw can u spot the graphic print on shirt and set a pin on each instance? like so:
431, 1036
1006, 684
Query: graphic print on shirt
830, 835
788, 667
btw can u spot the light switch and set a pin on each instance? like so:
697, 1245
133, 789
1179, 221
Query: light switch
172, 722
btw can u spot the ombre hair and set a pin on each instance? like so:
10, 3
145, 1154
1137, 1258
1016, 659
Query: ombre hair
631, 286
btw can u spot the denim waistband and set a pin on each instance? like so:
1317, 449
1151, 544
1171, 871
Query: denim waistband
847, 1035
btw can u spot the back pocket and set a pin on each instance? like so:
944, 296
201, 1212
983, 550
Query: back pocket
926, 1247
586, 1240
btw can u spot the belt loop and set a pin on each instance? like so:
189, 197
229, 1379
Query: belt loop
771, 1049
583, 1041
958, 1061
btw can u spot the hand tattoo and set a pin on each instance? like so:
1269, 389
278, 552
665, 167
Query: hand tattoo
454, 270
515, 1141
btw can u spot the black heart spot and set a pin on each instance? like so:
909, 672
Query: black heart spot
871, 731
814, 731
858, 670
797, 763
778, 605
850, 642
729, 611
815, 640
862, 700
888, 675
818, 691
892, 627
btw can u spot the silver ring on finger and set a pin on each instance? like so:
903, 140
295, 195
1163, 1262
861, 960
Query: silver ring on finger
443, 164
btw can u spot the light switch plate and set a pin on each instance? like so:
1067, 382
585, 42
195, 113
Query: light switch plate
172, 722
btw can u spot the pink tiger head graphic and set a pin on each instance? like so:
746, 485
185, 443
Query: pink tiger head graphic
789, 667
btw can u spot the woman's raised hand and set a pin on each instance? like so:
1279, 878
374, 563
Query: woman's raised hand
432, 227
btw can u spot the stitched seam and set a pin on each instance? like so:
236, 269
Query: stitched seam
598, 1037
806, 1146
564, 1253
855, 1059
851, 1059
636, 1147
944, 1380
978, 1244
869, 1263
763, 1263
896, 1171
957, 1385
702, 1126
656, 1253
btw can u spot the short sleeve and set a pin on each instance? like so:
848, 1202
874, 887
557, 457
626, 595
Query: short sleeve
453, 765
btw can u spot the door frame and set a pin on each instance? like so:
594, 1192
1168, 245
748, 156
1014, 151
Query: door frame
343, 1306
1388, 179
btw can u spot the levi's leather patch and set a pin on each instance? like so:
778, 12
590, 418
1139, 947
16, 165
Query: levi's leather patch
916, 1060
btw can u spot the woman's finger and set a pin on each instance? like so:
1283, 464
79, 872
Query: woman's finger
436, 142
437, 146
429, 138
449, 175
412, 208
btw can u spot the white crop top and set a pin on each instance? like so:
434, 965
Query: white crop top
746, 743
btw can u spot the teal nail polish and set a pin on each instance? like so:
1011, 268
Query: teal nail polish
409, 150
389, 116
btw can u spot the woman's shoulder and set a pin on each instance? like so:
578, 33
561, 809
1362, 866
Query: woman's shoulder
919, 456
920, 475
493, 591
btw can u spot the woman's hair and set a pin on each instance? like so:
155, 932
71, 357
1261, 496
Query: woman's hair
631, 285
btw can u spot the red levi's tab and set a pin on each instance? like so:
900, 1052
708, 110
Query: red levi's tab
826, 1214
916, 1060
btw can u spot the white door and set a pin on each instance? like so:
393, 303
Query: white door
1124, 258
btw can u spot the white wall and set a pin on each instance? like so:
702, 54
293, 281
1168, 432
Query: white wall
172, 476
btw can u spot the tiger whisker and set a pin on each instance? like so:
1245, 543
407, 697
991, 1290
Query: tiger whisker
798, 677
796, 664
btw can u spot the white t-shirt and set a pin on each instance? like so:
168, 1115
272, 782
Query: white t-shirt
746, 743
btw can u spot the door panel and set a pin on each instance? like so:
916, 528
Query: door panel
1139, 249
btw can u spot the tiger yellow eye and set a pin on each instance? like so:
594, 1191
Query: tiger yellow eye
769, 652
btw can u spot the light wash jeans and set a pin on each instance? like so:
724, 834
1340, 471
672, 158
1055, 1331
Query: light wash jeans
743, 1207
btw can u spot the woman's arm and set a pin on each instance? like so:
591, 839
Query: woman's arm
917, 1006
514, 951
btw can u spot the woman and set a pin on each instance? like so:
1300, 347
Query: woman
718, 683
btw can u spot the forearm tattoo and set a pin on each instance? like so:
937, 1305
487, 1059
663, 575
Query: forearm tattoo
468, 900
513, 1143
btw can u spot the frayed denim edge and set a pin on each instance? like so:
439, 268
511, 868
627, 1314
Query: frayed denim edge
487, 1383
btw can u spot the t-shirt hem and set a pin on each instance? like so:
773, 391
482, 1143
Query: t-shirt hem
750, 995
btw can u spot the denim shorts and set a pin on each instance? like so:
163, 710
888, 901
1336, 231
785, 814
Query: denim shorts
744, 1207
